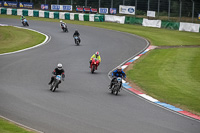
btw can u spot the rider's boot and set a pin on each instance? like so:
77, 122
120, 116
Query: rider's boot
51, 81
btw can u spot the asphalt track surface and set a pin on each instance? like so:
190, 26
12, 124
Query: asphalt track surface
82, 103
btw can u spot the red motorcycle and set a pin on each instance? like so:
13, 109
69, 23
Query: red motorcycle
94, 64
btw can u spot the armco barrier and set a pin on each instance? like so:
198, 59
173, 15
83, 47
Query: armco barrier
25, 12
3, 11
170, 25
46, 14
35, 13
14, 11
133, 20
76, 17
88, 17
67, 16
56, 15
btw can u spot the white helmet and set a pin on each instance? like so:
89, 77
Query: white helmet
119, 68
97, 53
61, 21
59, 66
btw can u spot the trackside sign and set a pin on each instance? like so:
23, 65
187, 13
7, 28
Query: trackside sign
127, 9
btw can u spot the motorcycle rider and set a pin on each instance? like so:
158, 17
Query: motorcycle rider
117, 73
96, 55
62, 24
76, 33
58, 71
22, 18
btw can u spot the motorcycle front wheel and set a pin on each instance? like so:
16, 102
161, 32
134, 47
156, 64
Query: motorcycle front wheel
116, 90
54, 86
93, 68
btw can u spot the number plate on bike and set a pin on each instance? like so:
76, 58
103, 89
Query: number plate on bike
119, 79
58, 77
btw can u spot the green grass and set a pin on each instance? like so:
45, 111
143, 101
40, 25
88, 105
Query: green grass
8, 127
13, 39
158, 37
170, 75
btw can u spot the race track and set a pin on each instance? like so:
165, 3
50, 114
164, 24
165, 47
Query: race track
82, 104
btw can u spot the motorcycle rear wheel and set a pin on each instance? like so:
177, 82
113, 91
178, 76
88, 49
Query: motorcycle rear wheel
116, 92
77, 42
112, 91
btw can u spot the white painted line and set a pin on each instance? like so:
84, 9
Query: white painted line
44, 42
3, 25
148, 97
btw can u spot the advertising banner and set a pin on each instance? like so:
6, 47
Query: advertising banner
151, 23
79, 9
25, 5
94, 10
86, 9
67, 7
55, 7
44, 6
103, 10
151, 14
191, 27
10, 4
113, 11
127, 9
0, 3
61, 7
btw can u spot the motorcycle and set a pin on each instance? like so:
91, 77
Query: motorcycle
64, 28
116, 86
94, 64
77, 40
24, 22
55, 83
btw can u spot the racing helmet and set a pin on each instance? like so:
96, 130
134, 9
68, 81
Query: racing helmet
61, 21
59, 66
97, 53
119, 69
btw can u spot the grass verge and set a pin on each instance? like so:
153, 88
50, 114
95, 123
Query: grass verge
14, 39
170, 75
8, 127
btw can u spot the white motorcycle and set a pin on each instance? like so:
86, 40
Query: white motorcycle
116, 86
77, 40
55, 83
64, 27
25, 22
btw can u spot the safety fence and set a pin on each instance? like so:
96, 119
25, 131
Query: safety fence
102, 18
